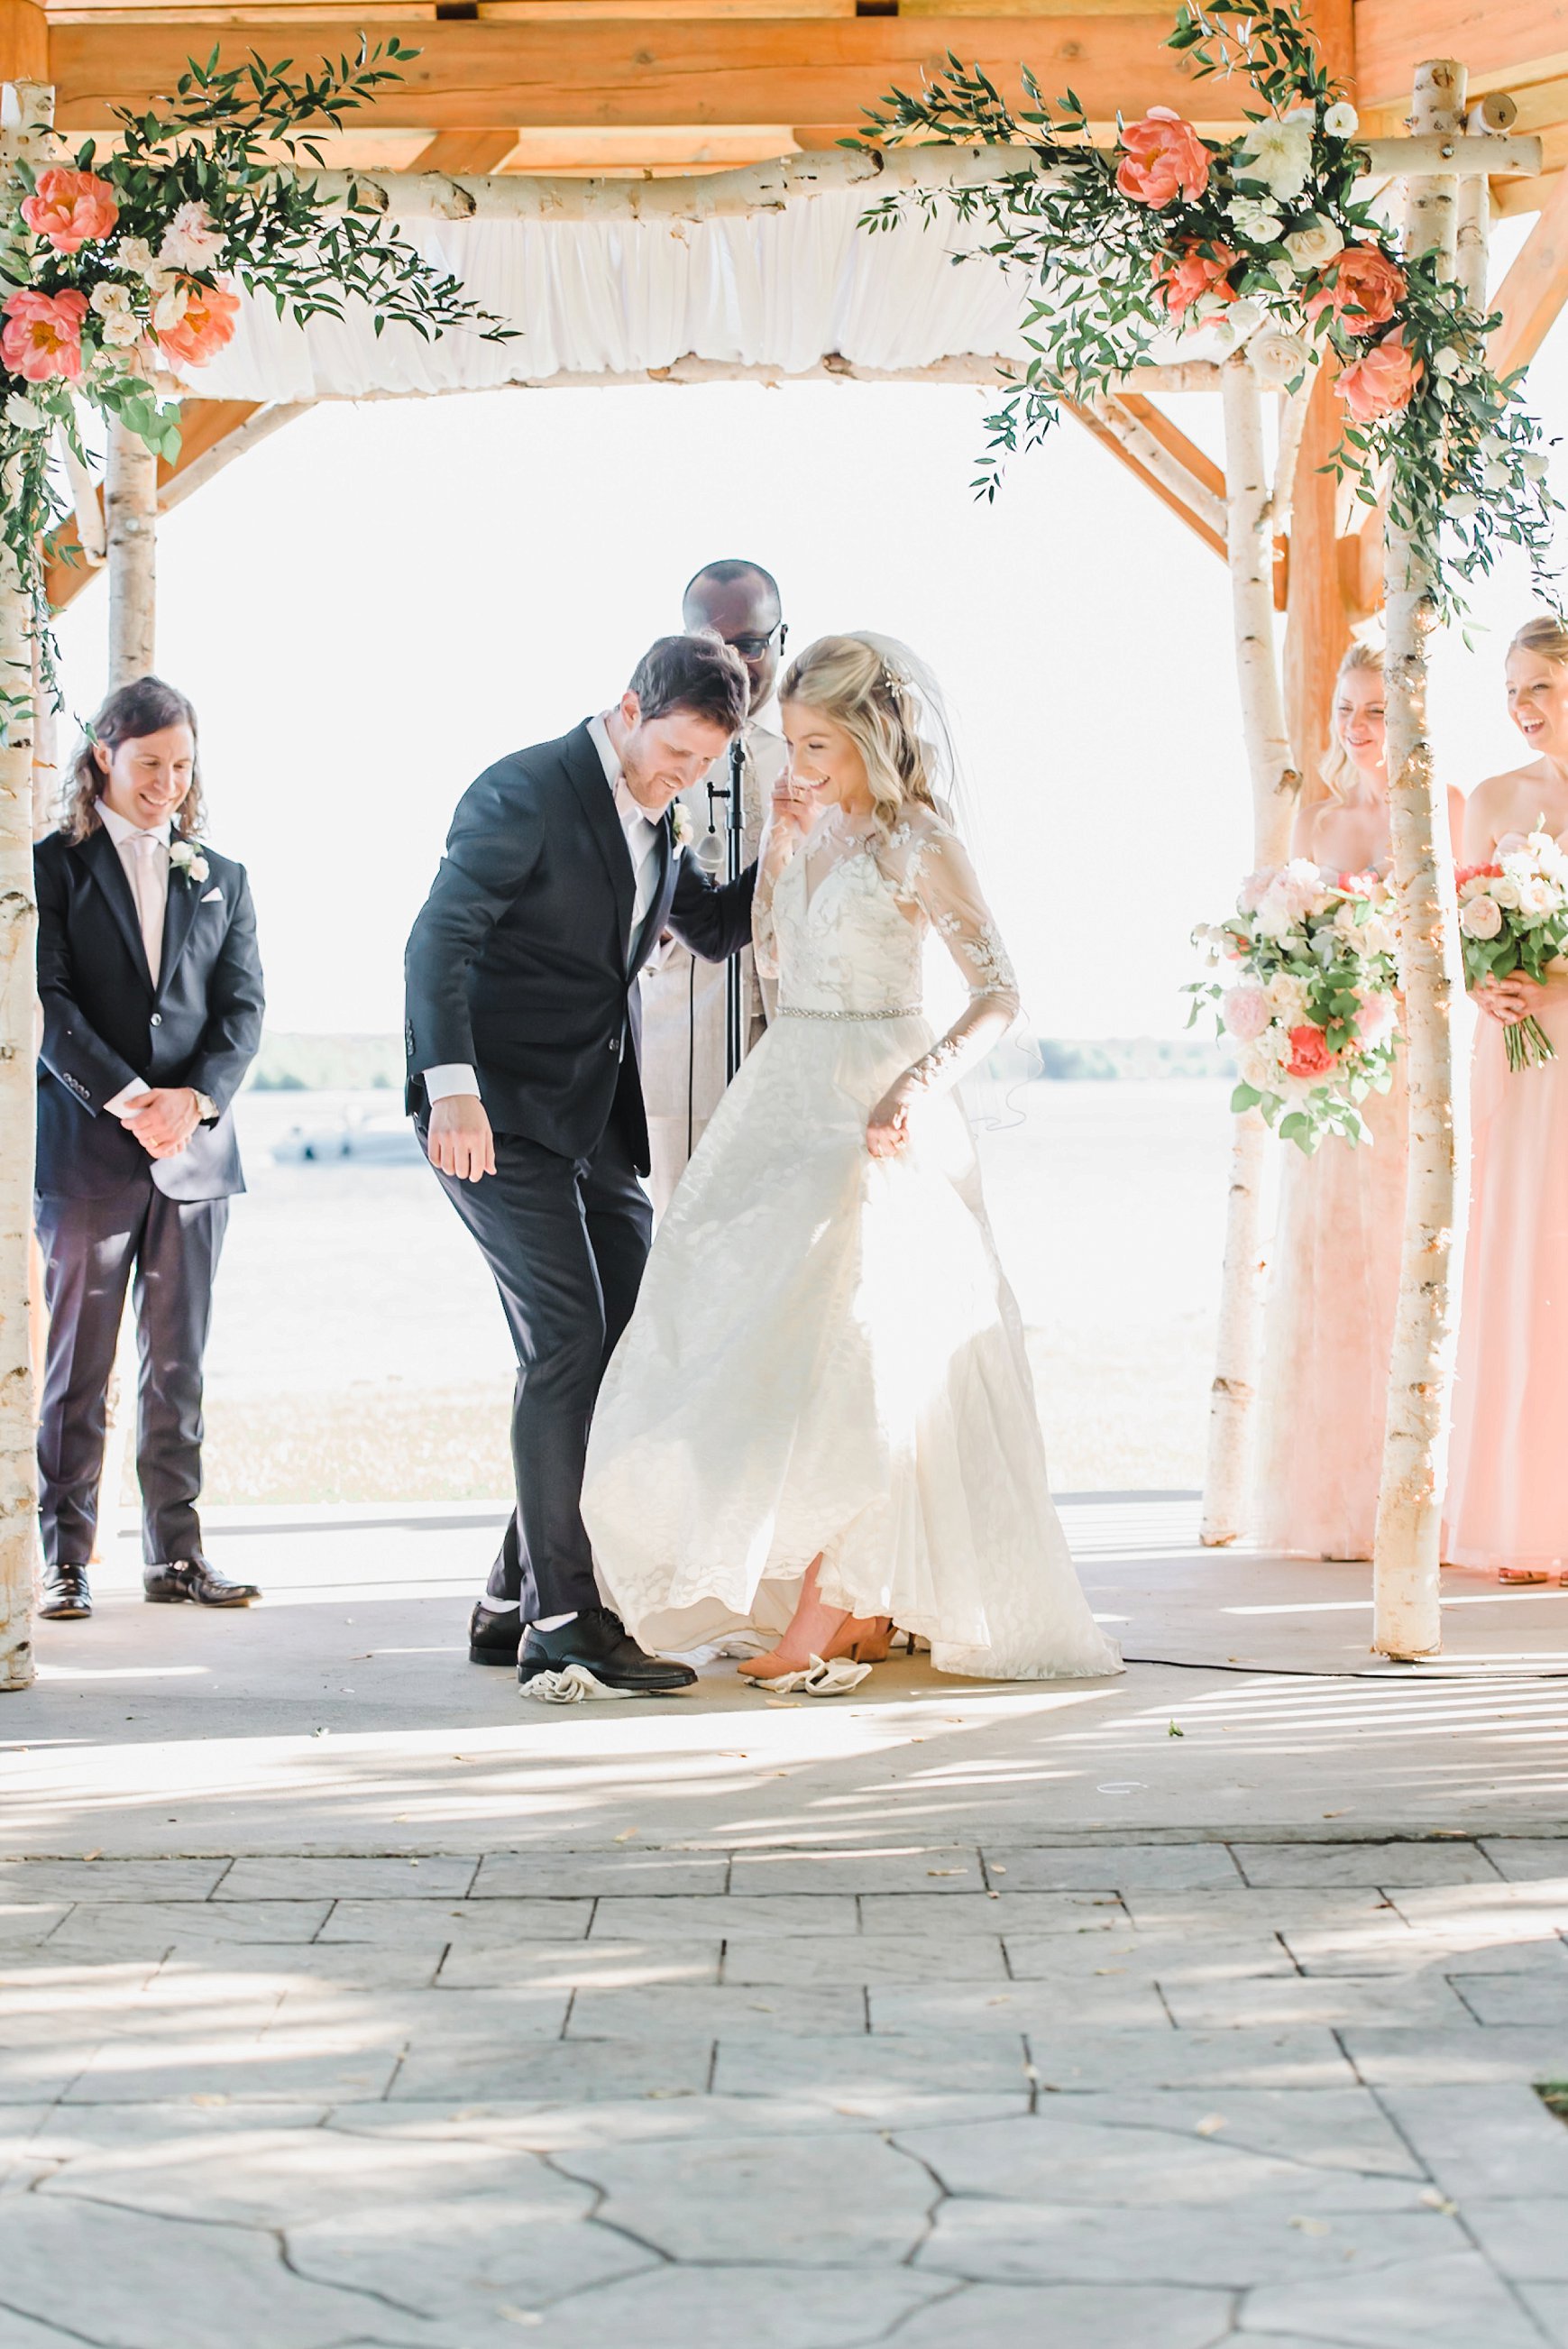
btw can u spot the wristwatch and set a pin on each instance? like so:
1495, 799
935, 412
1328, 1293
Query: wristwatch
206, 1106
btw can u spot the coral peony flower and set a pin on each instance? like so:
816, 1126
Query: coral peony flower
1382, 382
70, 208
206, 323
1309, 1054
1179, 284
43, 333
1246, 1013
190, 241
1362, 288
1162, 157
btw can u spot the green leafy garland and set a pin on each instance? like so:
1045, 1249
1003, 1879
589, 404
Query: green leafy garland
1261, 241
117, 268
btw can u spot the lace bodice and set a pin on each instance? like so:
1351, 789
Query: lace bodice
841, 919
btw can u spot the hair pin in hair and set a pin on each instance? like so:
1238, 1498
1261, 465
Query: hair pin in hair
892, 683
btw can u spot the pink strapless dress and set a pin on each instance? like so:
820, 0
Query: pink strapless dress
1328, 1336
1508, 1462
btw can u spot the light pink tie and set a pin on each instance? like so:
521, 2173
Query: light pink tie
144, 845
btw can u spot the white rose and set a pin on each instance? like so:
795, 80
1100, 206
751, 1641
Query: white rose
1494, 476
169, 308
190, 241
1448, 361
1276, 358
1245, 316
25, 414
1481, 917
1461, 506
1313, 247
1505, 893
1286, 998
121, 330
1279, 154
1534, 466
1254, 218
134, 252
106, 297
1341, 120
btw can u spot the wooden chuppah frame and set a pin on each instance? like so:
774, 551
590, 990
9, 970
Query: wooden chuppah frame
1243, 513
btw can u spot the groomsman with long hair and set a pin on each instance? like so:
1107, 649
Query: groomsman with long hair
152, 992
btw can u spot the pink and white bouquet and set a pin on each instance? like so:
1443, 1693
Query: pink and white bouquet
1514, 921
1311, 1008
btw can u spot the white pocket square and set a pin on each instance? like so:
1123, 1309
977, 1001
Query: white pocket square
213, 897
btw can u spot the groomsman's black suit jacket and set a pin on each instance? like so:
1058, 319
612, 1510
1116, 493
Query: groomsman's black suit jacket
518, 966
105, 1022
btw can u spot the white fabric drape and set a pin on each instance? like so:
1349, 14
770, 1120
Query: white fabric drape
593, 297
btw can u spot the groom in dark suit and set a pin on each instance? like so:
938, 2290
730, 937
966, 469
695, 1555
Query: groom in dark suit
524, 1034
151, 993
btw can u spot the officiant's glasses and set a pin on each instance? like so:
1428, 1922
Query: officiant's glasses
753, 648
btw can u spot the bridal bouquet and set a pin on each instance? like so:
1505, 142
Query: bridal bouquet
1311, 1008
1513, 918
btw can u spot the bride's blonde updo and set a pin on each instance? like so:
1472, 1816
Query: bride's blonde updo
862, 690
1546, 635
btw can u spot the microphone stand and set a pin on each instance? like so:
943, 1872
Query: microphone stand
733, 796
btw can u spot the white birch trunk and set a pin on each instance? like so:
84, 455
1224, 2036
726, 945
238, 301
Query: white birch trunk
1407, 1616
131, 517
1275, 785
19, 1042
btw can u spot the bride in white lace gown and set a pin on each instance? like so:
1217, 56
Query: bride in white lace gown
820, 1416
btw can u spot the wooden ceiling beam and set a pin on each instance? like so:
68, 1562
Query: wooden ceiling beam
466, 151
1503, 43
1535, 290
1122, 443
24, 42
481, 75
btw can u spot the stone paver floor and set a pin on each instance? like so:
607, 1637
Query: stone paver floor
1139, 2094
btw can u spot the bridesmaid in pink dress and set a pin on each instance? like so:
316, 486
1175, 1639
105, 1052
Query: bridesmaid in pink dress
1508, 1481
1328, 1332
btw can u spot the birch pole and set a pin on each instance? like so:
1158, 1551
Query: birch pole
1276, 787
131, 517
34, 106
1407, 1615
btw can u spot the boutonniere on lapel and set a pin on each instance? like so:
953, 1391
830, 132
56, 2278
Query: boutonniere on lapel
682, 830
185, 856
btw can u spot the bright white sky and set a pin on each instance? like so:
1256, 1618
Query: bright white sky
372, 606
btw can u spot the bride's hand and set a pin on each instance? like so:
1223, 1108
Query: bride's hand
794, 808
887, 1133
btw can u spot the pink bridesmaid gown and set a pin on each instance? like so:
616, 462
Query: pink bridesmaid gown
1329, 1335
1508, 1467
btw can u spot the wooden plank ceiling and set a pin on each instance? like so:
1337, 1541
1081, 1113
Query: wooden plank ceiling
638, 86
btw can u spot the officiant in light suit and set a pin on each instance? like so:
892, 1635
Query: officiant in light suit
684, 1072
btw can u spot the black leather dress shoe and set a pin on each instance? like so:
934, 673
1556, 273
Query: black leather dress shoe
193, 1579
66, 1593
495, 1634
599, 1644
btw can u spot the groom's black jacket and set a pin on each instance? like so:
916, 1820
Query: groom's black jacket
519, 965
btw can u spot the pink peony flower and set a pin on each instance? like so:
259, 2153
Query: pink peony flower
206, 323
1363, 287
1374, 1019
70, 208
1481, 917
1162, 157
1469, 873
1382, 382
1309, 1054
43, 333
1246, 1013
1180, 283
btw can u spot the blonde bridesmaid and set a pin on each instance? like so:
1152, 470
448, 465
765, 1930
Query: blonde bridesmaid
1507, 1485
1329, 1330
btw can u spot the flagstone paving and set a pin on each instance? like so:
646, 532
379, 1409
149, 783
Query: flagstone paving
1136, 2094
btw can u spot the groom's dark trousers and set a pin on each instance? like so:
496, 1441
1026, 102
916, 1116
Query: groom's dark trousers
522, 966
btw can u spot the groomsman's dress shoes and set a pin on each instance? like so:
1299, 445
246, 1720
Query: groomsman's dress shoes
193, 1579
495, 1634
594, 1655
66, 1593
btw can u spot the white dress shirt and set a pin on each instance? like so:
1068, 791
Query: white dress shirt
642, 837
145, 856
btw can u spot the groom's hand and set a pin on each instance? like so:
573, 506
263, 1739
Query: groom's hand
460, 1142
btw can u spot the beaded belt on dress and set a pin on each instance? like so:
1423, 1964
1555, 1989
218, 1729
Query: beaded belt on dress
893, 1011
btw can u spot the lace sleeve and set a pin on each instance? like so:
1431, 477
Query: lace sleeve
940, 879
773, 855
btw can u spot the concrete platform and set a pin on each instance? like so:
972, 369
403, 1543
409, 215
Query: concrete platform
342, 1716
